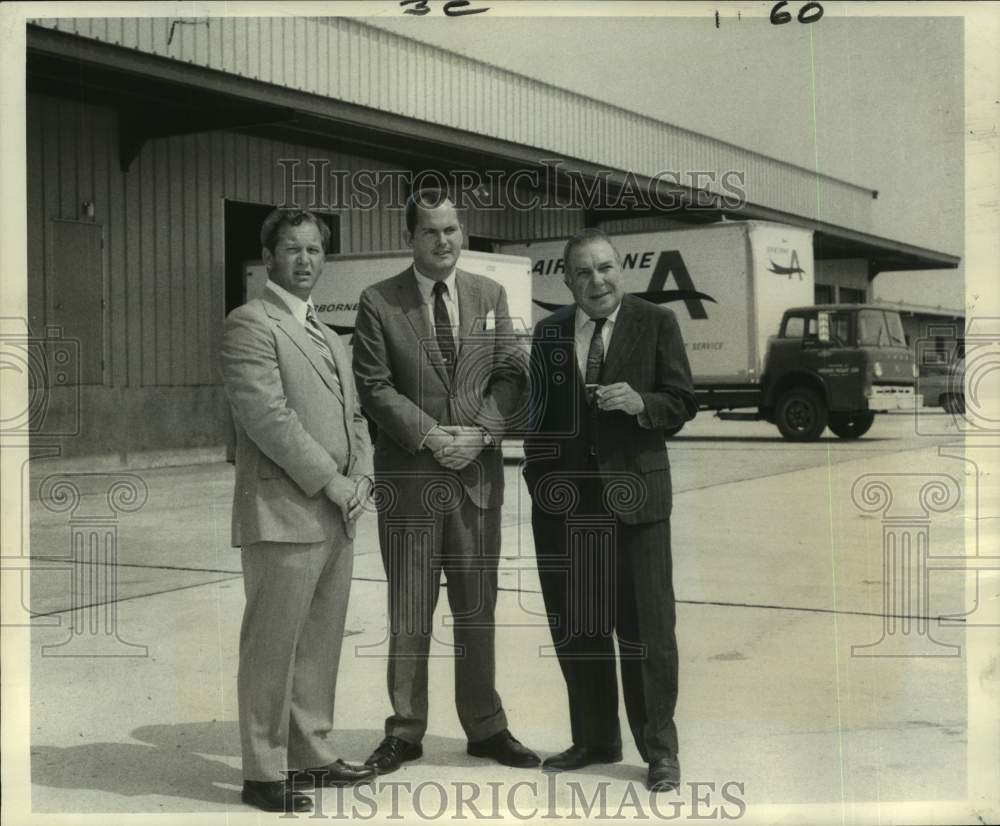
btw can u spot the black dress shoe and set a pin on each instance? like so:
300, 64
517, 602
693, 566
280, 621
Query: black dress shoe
274, 796
505, 749
391, 753
337, 773
576, 757
664, 775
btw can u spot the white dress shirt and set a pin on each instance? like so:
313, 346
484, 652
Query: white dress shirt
296, 306
584, 331
426, 287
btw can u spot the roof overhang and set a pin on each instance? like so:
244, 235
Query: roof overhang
159, 96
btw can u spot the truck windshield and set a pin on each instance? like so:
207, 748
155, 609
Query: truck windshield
880, 329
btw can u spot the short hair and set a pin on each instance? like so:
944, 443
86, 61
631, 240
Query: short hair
422, 199
280, 218
586, 236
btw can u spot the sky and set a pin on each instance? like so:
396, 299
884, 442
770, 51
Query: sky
875, 101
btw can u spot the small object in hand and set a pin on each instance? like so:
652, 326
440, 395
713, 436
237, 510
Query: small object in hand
591, 391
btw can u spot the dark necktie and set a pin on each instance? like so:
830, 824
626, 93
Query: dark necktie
321, 344
442, 328
595, 355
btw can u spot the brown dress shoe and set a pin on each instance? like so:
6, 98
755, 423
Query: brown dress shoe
505, 749
664, 775
576, 757
274, 796
391, 753
337, 773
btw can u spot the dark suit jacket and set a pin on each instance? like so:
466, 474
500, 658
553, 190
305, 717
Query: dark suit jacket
294, 429
646, 350
406, 390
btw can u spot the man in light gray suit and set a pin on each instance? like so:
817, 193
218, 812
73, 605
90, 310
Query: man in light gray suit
440, 374
303, 459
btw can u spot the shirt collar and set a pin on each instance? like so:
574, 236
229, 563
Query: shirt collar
582, 319
296, 306
426, 285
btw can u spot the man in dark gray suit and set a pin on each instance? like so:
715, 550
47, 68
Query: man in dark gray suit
614, 376
440, 375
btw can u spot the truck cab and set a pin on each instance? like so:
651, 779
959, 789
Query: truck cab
836, 365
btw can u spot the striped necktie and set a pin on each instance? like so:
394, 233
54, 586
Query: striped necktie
595, 355
442, 328
320, 342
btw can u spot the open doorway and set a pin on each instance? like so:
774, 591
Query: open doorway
242, 243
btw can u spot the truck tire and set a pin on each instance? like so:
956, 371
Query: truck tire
673, 431
801, 415
851, 425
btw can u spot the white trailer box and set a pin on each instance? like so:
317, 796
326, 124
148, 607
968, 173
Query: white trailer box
727, 283
338, 290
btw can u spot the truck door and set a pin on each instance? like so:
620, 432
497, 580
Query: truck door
828, 350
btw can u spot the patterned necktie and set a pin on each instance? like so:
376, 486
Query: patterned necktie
442, 328
320, 342
595, 355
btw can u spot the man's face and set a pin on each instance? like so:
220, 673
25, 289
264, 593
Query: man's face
297, 260
436, 241
595, 278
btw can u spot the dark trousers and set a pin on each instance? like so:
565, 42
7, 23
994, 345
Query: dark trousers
464, 543
601, 577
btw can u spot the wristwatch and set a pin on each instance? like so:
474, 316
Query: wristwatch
488, 440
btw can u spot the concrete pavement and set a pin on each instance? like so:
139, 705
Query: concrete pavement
778, 573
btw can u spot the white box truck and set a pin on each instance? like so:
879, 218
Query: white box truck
743, 295
338, 290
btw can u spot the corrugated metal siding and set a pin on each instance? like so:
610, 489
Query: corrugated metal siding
345, 59
164, 233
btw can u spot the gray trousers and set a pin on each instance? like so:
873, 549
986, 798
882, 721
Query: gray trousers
290, 641
464, 543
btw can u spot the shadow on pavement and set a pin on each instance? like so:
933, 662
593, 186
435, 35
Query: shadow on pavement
132, 770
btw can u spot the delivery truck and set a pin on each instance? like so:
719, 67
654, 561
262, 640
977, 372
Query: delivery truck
759, 348
338, 290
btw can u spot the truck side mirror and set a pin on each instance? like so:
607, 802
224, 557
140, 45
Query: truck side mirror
823, 328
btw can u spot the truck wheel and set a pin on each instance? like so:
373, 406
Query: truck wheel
851, 425
801, 415
673, 431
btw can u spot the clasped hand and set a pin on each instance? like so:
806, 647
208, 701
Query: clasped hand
349, 493
455, 446
620, 396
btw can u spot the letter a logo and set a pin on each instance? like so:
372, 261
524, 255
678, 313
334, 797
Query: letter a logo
670, 261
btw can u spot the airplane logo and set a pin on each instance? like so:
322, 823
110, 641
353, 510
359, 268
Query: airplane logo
793, 267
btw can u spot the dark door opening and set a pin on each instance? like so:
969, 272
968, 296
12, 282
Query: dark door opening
242, 243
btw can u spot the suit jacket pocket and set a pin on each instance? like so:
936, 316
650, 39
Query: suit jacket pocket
266, 469
654, 461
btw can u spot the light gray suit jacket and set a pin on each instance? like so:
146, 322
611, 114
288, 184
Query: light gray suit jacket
294, 428
406, 391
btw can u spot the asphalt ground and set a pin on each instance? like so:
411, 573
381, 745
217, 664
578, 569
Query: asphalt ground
779, 577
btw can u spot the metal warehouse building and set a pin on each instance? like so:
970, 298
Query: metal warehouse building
153, 149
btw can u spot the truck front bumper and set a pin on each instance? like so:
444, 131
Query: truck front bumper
884, 398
